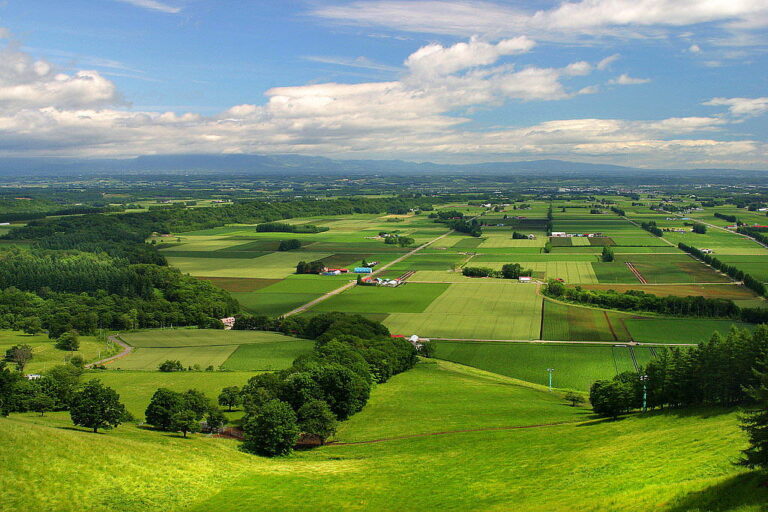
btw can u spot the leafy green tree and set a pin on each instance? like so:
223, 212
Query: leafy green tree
272, 431
20, 355
9, 381
574, 398
68, 341
97, 406
215, 419
611, 398
427, 348
607, 255
197, 402
316, 418
230, 397
41, 403
77, 361
31, 325
185, 422
162, 406
61, 383
171, 365
289, 245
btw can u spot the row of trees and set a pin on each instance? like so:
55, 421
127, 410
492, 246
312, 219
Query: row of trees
652, 228
284, 227
174, 411
716, 372
312, 267
289, 245
637, 300
729, 218
508, 271
739, 275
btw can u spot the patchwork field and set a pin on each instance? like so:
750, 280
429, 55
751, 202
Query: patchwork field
45, 354
210, 348
573, 323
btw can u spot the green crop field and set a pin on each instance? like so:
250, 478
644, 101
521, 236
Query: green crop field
412, 297
652, 462
267, 356
564, 322
575, 366
678, 330
489, 310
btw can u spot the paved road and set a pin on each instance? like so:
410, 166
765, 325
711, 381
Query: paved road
349, 285
127, 349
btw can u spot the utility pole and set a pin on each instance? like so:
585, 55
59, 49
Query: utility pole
550, 370
644, 380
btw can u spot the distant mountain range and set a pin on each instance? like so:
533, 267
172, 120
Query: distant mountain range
298, 164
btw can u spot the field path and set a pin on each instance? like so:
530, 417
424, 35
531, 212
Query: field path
448, 432
564, 342
349, 285
127, 349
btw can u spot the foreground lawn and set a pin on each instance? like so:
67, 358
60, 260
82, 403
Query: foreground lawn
664, 461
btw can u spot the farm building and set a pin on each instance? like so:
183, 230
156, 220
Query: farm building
228, 322
559, 234
524, 279
363, 270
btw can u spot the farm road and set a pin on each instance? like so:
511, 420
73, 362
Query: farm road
349, 285
127, 349
563, 342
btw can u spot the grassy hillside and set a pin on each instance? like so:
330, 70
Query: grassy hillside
665, 461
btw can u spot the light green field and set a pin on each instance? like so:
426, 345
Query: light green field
679, 330
198, 346
271, 266
577, 272
45, 354
670, 462
576, 366
501, 310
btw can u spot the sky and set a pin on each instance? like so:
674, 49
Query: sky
646, 83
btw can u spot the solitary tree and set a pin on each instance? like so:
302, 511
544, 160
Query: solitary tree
316, 418
272, 431
20, 355
184, 422
171, 366
230, 397
97, 406
68, 341
607, 255
215, 419
574, 398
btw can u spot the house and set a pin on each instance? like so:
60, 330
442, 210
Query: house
559, 234
531, 237
33, 376
524, 279
415, 341
707, 251
228, 322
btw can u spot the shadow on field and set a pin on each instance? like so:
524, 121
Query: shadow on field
747, 489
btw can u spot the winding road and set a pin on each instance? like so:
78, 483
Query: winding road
127, 349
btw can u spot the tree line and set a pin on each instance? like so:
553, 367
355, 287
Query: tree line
718, 372
739, 275
508, 271
284, 227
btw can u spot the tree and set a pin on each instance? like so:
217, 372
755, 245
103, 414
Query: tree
20, 355
97, 406
611, 398
197, 402
184, 422
316, 418
289, 245
61, 383
31, 325
77, 361
230, 397
607, 255
272, 431
68, 341
574, 398
699, 228
215, 419
163, 405
755, 421
8, 383
171, 365
41, 403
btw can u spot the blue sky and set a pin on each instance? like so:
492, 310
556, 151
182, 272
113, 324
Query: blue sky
651, 83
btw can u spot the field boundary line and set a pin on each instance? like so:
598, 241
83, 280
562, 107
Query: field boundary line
610, 326
448, 432
566, 342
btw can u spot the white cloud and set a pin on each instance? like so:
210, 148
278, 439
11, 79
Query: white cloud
153, 5
578, 68
606, 62
621, 18
435, 60
744, 107
625, 79
357, 62
694, 48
